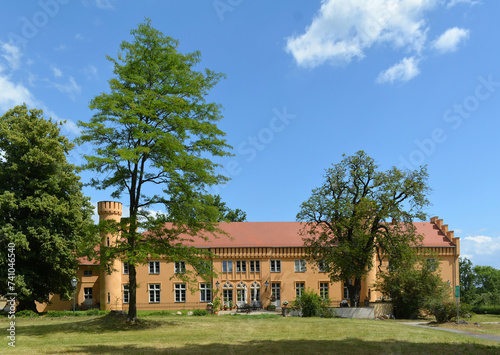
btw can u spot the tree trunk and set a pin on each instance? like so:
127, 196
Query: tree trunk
354, 291
132, 308
26, 305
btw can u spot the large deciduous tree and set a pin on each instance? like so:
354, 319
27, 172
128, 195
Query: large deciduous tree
346, 218
155, 137
43, 213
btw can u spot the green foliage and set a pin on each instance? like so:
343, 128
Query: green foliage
346, 217
200, 312
44, 216
271, 307
413, 284
480, 285
486, 309
27, 313
445, 311
92, 312
154, 136
312, 305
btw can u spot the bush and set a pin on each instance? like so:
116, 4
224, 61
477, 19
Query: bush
311, 304
27, 313
486, 309
271, 307
92, 312
200, 312
447, 310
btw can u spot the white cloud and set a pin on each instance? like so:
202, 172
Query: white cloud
105, 4
452, 3
343, 29
71, 88
13, 94
449, 40
57, 72
481, 244
403, 71
90, 72
12, 55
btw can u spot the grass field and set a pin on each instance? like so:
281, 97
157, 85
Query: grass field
233, 335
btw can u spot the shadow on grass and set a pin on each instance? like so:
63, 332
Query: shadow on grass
98, 325
344, 346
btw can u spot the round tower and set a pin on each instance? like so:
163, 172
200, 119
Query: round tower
110, 283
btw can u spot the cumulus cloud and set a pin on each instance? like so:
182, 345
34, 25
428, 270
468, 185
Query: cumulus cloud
343, 29
450, 40
70, 88
481, 244
403, 71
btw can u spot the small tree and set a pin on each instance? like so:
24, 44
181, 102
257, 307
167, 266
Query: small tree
412, 285
43, 213
154, 136
311, 304
345, 218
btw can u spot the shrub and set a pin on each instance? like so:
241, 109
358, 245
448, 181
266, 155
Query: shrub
271, 307
487, 309
447, 310
27, 313
311, 304
200, 312
92, 312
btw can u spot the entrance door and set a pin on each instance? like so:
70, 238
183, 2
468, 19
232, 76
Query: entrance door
276, 292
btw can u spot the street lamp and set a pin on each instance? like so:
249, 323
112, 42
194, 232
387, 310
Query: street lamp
217, 284
74, 281
267, 284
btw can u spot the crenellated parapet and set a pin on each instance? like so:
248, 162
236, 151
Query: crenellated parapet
109, 208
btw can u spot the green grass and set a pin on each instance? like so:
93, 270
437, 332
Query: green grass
237, 334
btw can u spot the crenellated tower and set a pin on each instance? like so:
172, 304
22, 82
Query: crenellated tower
110, 283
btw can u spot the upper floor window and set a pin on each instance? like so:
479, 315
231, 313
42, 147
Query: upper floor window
125, 268
126, 294
154, 267
241, 266
180, 267
321, 266
254, 265
431, 264
227, 266
87, 272
300, 265
275, 265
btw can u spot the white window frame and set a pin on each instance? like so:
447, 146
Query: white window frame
180, 293
126, 294
125, 268
300, 287
275, 265
241, 266
254, 265
300, 265
87, 293
321, 266
180, 267
154, 293
227, 266
205, 292
346, 293
154, 267
433, 267
324, 290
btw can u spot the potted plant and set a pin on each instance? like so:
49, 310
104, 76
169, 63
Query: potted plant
285, 303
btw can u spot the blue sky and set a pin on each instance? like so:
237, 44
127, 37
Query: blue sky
411, 82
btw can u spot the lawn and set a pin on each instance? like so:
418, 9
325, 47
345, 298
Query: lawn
233, 335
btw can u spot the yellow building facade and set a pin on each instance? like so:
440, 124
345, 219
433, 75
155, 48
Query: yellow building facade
259, 259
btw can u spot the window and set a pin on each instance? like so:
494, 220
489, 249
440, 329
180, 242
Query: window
180, 267
241, 266
227, 293
321, 266
276, 290
254, 266
275, 265
227, 266
109, 298
180, 292
154, 293
205, 292
299, 288
87, 293
125, 268
323, 290
154, 267
87, 272
300, 265
346, 292
126, 294
431, 264
255, 292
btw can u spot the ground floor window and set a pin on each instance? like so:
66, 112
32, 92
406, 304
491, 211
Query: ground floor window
346, 292
323, 290
180, 292
87, 293
299, 288
154, 293
276, 290
126, 294
228, 296
205, 292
